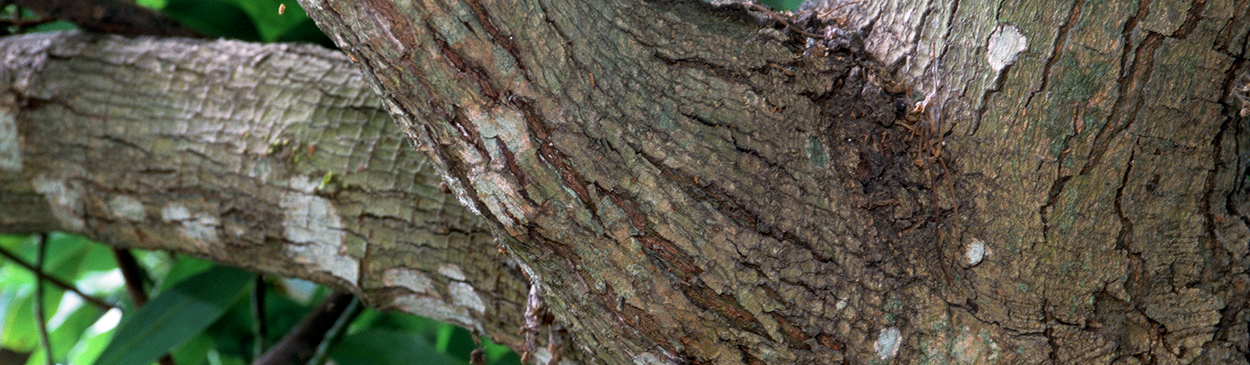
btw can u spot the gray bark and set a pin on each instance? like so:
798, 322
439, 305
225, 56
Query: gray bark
275, 158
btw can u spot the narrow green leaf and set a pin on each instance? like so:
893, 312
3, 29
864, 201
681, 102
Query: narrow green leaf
380, 347
12, 241
183, 268
175, 316
444, 337
18, 332
194, 352
89, 348
220, 18
71, 329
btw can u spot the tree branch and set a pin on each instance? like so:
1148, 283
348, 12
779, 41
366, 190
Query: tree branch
111, 16
305, 340
40, 275
41, 319
274, 158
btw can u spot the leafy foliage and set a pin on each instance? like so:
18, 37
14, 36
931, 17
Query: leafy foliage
199, 314
249, 20
175, 317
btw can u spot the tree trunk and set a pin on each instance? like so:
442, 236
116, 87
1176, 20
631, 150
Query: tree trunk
964, 182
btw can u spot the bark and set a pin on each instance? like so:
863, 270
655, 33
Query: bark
274, 158
685, 187
977, 183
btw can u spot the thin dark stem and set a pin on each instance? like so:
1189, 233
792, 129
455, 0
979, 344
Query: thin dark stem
40, 316
336, 332
260, 330
300, 343
57, 282
133, 275
111, 16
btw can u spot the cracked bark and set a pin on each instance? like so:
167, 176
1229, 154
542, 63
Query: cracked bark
685, 188
239, 153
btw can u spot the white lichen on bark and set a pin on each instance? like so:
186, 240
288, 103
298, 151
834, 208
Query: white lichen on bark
200, 228
314, 227
64, 198
128, 208
1003, 46
10, 146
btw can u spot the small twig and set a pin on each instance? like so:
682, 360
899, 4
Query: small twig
260, 330
133, 275
300, 343
57, 282
336, 332
111, 16
40, 316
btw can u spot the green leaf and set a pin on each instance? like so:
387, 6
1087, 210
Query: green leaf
194, 352
497, 354
153, 4
19, 332
11, 242
71, 329
782, 4
183, 268
175, 316
381, 346
88, 350
218, 18
270, 24
98, 258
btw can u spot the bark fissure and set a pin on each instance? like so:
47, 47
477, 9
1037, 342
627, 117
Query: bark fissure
504, 40
1131, 87
550, 154
480, 76
1057, 47
728, 205
1124, 240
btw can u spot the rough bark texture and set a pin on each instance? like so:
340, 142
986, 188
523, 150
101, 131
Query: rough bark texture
273, 158
980, 182
684, 188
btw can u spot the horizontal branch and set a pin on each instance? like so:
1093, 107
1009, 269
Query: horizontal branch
275, 158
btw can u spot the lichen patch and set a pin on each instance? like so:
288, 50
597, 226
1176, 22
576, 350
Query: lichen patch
313, 226
413, 280
128, 208
436, 309
64, 198
1004, 45
976, 252
888, 342
10, 146
451, 271
464, 296
201, 228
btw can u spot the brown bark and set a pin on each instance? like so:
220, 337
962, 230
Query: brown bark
657, 167
682, 186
